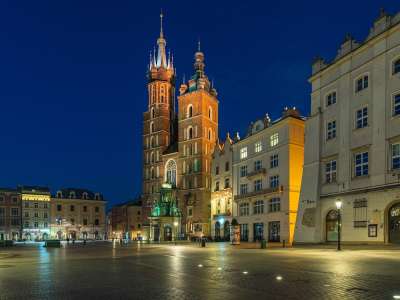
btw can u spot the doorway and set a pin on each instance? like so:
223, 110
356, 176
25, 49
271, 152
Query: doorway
394, 224
332, 226
258, 231
274, 234
167, 233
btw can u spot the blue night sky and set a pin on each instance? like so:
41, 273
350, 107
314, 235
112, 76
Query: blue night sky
73, 85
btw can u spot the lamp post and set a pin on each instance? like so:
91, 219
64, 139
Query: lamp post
176, 230
339, 219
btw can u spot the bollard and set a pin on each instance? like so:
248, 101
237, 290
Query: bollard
203, 243
263, 244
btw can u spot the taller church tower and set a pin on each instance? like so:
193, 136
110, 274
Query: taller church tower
159, 122
198, 132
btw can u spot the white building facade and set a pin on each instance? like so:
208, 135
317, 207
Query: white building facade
352, 143
267, 170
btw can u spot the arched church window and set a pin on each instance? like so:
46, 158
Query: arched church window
151, 127
210, 113
209, 134
152, 173
190, 132
152, 157
153, 113
171, 172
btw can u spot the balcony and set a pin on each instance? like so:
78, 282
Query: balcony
260, 192
257, 172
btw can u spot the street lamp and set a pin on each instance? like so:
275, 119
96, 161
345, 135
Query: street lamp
339, 219
176, 230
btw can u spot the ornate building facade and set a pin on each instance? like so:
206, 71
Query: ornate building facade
178, 140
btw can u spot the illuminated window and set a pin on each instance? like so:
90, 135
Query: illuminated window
244, 209
258, 147
243, 153
361, 83
330, 171
274, 139
330, 130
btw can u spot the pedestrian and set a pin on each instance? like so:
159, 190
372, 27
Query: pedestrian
67, 240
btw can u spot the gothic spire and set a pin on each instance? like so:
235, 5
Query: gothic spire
161, 42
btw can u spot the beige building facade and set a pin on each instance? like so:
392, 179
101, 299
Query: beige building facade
78, 214
267, 171
222, 204
352, 150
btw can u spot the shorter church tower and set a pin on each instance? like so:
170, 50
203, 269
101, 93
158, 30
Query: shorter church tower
198, 131
158, 122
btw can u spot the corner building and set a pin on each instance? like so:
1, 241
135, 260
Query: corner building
352, 149
178, 143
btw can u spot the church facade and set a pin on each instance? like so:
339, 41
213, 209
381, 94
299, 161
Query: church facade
179, 136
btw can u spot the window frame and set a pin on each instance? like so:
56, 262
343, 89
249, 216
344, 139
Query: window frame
330, 93
362, 78
243, 153
362, 119
258, 147
274, 139
330, 134
331, 172
393, 157
362, 164
394, 105
274, 161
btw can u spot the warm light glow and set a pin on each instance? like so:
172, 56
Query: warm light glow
245, 272
30, 197
338, 204
175, 224
279, 278
219, 269
396, 297
200, 265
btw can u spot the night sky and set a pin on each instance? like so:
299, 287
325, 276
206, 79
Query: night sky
73, 76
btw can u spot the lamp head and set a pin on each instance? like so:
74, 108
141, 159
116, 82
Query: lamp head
338, 204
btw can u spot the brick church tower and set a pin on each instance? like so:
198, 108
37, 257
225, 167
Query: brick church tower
198, 132
159, 122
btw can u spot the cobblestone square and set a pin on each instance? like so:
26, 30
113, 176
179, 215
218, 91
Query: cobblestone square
219, 271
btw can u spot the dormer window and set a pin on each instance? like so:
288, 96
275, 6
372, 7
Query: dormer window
97, 197
396, 66
362, 83
72, 195
85, 196
59, 194
153, 113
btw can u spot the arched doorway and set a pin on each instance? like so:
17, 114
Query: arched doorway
217, 233
167, 233
394, 224
332, 226
227, 231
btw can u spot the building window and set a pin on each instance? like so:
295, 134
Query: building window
361, 164
153, 113
244, 232
258, 207
189, 113
360, 207
72, 208
85, 222
152, 127
36, 224
227, 183
26, 214
361, 83
274, 181
227, 166
243, 171
396, 66
14, 200
243, 153
1, 199
244, 209
190, 133
216, 186
210, 113
26, 225
257, 165
396, 156
26, 204
274, 139
257, 185
396, 105
217, 170
274, 161
372, 230
330, 171
258, 147
209, 134
243, 189
362, 118
331, 99
190, 212
274, 204
36, 214
85, 208
45, 216
36, 205
96, 222
45, 225
59, 207
196, 165
97, 209
14, 212
330, 130
72, 221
